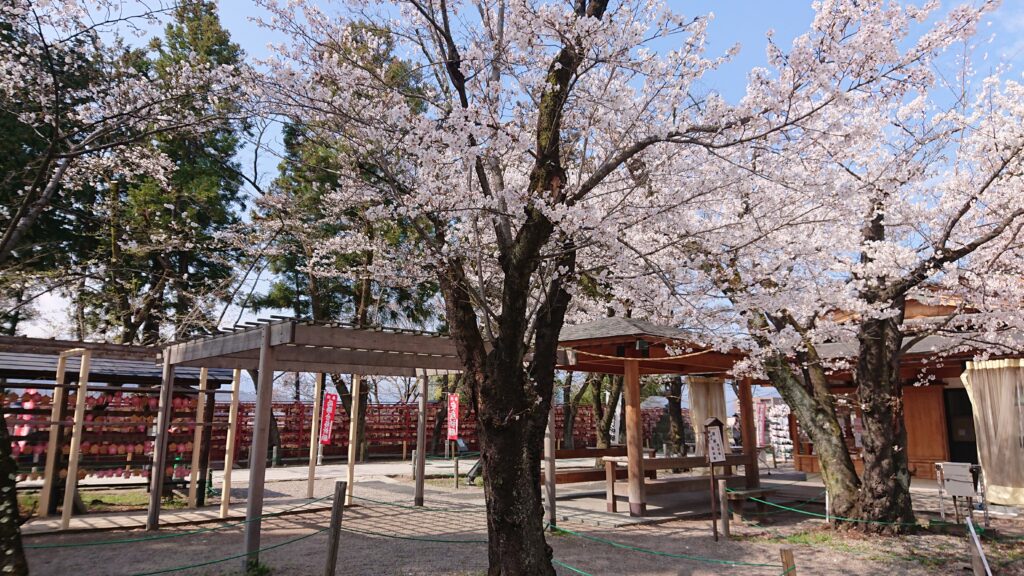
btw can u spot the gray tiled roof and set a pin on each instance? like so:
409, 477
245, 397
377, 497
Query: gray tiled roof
618, 327
44, 366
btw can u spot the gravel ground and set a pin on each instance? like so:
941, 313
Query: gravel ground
370, 547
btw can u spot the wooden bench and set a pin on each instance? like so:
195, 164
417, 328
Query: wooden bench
590, 474
670, 485
741, 497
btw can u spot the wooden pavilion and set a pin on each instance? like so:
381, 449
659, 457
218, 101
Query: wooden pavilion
634, 347
301, 346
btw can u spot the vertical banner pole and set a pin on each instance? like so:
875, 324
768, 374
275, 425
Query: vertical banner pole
421, 440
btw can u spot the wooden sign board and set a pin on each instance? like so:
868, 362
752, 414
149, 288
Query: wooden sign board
716, 445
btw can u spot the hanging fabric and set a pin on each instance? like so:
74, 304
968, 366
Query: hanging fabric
996, 390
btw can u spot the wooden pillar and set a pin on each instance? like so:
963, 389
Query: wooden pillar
549, 465
58, 412
749, 434
229, 445
206, 440
421, 440
314, 432
197, 438
71, 485
353, 446
163, 416
634, 439
258, 452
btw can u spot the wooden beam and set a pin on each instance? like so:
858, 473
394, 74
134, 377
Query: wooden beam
298, 366
229, 448
58, 412
197, 438
71, 484
421, 440
366, 339
312, 355
314, 432
46, 346
634, 439
749, 434
223, 344
353, 442
156, 474
258, 452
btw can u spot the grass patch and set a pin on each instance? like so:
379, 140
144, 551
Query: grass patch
105, 501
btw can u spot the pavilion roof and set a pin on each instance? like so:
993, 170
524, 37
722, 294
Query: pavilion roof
307, 346
604, 345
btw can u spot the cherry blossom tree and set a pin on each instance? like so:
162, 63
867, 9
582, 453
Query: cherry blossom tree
68, 75
548, 142
911, 194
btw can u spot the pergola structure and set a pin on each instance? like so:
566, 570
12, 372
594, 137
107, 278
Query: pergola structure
634, 347
290, 345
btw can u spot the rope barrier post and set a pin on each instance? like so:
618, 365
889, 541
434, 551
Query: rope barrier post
723, 501
788, 564
337, 509
71, 484
456, 471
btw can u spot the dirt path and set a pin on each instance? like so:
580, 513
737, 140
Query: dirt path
394, 540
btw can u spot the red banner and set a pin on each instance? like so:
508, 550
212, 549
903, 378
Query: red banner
327, 417
453, 416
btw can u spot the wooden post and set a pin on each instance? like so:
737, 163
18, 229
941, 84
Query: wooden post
749, 434
71, 484
205, 477
634, 439
549, 465
421, 440
405, 450
353, 429
610, 471
258, 452
229, 445
58, 412
337, 509
714, 487
163, 416
314, 432
723, 502
197, 438
456, 476
788, 564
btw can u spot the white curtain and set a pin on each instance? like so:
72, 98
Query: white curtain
707, 399
996, 389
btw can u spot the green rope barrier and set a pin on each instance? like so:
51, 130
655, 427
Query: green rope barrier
666, 554
571, 568
830, 517
172, 535
236, 556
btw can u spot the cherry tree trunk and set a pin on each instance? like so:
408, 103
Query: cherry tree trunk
885, 496
676, 429
817, 418
511, 455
